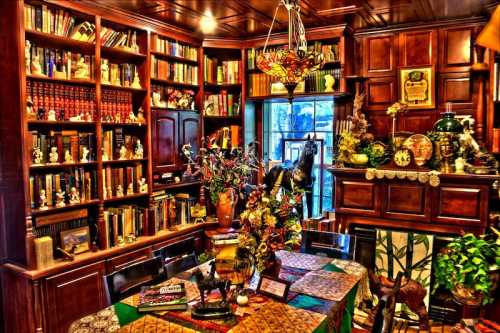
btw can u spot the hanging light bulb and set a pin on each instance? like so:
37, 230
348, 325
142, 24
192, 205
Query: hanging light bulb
208, 22
290, 65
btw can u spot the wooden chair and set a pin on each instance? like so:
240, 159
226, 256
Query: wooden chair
330, 244
178, 257
129, 280
384, 317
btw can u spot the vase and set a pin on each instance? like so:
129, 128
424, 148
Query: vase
225, 209
273, 267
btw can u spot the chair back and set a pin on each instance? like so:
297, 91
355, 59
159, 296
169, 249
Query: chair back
129, 280
384, 318
330, 244
178, 257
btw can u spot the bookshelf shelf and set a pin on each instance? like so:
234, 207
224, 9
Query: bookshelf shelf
161, 187
51, 210
135, 125
121, 54
172, 109
174, 58
45, 123
113, 162
303, 96
49, 40
61, 166
209, 85
111, 86
125, 197
238, 117
173, 83
81, 82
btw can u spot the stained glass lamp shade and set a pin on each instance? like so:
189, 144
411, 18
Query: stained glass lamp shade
292, 64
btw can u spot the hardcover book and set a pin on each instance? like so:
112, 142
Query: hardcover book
163, 298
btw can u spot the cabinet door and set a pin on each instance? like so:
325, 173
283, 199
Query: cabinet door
165, 141
72, 295
189, 130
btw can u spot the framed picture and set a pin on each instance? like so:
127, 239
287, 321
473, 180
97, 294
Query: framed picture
417, 87
278, 88
76, 240
275, 288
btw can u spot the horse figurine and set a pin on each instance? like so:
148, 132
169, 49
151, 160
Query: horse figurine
300, 176
210, 283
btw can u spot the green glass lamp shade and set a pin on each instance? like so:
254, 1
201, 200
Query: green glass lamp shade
448, 123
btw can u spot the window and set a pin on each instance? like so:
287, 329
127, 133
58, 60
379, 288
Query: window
286, 127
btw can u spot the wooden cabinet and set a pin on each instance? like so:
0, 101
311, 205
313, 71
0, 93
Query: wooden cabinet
119, 262
189, 130
72, 295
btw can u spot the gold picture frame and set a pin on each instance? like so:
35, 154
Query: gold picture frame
417, 86
76, 241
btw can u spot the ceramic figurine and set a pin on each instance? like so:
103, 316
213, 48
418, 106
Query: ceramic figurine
37, 156
43, 200
131, 117
140, 116
242, 298
118, 118
74, 197
82, 69
36, 68
130, 189
51, 116
60, 199
27, 56
30, 114
136, 83
119, 191
123, 153
156, 100
143, 186
329, 82
76, 118
53, 156
85, 154
104, 72
139, 150
88, 116
67, 157
459, 165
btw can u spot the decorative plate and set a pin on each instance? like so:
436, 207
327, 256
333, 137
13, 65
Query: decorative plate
421, 146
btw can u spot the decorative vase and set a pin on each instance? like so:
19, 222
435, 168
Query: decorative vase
273, 267
225, 209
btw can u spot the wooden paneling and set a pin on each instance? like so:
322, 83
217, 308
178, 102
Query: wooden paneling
379, 55
356, 196
417, 48
380, 124
407, 201
381, 92
72, 295
461, 204
417, 121
455, 88
165, 141
455, 49
121, 261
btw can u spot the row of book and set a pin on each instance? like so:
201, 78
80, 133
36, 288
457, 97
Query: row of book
113, 140
221, 72
58, 22
222, 104
496, 81
172, 210
227, 137
62, 143
121, 181
173, 71
59, 64
122, 223
60, 184
315, 81
174, 48
259, 84
66, 100
116, 105
118, 39
118, 74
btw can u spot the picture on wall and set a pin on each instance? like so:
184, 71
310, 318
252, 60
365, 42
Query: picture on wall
416, 87
76, 240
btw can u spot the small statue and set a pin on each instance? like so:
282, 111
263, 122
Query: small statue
27, 56
76, 118
104, 72
67, 157
74, 197
207, 284
143, 186
30, 114
118, 118
37, 156
82, 69
123, 153
88, 117
329, 82
131, 117
139, 150
61, 115
43, 200
119, 191
140, 116
136, 83
130, 189
156, 100
85, 154
51, 116
53, 156
459, 165
36, 68
60, 199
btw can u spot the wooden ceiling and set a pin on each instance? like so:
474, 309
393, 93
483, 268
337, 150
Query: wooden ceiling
245, 18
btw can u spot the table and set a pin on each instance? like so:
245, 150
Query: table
321, 299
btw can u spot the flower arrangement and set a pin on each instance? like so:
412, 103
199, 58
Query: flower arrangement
347, 146
269, 223
180, 99
393, 112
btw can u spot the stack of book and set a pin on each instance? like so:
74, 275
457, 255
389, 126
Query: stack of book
121, 181
222, 72
259, 84
228, 137
170, 211
83, 181
60, 64
121, 75
315, 81
67, 101
113, 140
65, 142
58, 22
173, 71
223, 104
174, 48
163, 298
116, 105
118, 39
122, 222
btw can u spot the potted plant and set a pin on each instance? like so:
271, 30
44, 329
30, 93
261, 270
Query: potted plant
466, 266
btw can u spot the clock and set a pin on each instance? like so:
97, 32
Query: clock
402, 157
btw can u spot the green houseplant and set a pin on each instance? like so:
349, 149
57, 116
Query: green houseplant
464, 267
